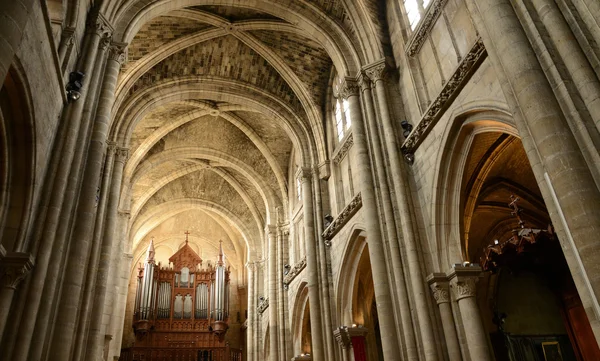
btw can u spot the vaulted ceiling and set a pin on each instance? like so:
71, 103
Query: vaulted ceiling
219, 103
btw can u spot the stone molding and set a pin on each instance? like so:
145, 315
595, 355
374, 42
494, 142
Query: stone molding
463, 280
14, 267
324, 170
422, 31
262, 306
342, 218
343, 149
440, 287
452, 88
294, 272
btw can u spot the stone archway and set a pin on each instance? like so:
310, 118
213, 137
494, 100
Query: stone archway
16, 161
527, 297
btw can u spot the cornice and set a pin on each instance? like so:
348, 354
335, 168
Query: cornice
342, 218
343, 149
424, 28
294, 272
452, 88
262, 306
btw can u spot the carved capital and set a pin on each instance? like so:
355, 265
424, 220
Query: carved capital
271, 231
111, 147
463, 281
105, 42
118, 52
304, 174
97, 23
68, 35
364, 82
121, 154
14, 267
440, 287
376, 71
349, 88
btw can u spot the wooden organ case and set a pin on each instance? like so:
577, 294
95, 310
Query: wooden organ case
181, 311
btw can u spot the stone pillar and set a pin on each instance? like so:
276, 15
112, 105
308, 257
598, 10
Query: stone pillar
387, 325
463, 281
440, 288
403, 303
272, 271
14, 16
96, 336
119, 317
14, 267
250, 266
551, 147
324, 279
312, 265
583, 75
285, 340
97, 28
343, 338
376, 72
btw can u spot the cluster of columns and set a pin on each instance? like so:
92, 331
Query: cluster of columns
457, 290
74, 251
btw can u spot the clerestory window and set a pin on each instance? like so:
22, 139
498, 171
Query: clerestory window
415, 10
342, 117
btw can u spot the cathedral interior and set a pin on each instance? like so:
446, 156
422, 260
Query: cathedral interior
298, 180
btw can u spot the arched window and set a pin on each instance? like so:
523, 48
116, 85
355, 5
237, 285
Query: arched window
415, 9
341, 111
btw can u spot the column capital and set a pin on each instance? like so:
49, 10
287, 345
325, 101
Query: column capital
349, 87
440, 287
271, 230
304, 174
97, 23
375, 71
111, 146
14, 267
463, 280
105, 42
121, 154
324, 169
364, 81
118, 52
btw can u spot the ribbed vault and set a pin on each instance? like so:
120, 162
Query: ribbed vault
219, 103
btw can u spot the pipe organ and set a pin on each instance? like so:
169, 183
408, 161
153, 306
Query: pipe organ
183, 307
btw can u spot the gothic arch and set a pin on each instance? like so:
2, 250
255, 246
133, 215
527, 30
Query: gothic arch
17, 159
355, 247
299, 315
473, 119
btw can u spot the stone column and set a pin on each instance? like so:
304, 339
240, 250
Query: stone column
551, 147
463, 281
15, 16
14, 267
440, 288
387, 325
90, 282
376, 72
96, 336
250, 266
97, 27
583, 75
312, 265
270, 231
322, 257
121, 304
285, 340
390, 225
